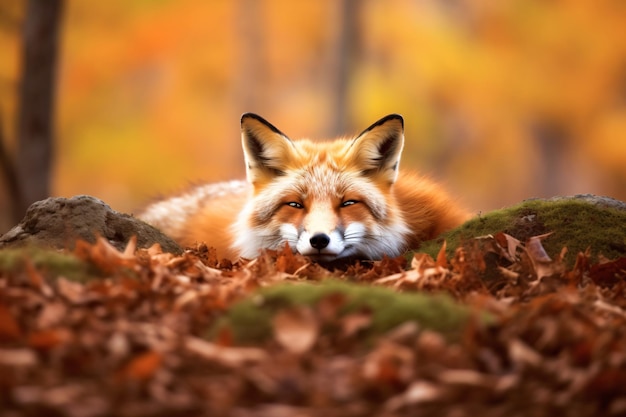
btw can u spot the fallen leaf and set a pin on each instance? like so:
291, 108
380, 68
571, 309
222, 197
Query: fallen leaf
609, 273
389, 364
48, 339
535, 249
442, 261
142, 367
73, 292
18, 357
522, 354
9, 328
296, 329
232, 357
416, 393
352, 323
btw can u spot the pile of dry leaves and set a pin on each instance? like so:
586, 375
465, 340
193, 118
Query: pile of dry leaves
133, 335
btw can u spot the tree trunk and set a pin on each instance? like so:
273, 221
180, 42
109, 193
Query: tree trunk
347, 50
251, 87
9, 174
36, 102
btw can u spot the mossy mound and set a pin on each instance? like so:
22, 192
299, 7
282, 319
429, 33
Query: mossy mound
49, 262
577, 223
251, 320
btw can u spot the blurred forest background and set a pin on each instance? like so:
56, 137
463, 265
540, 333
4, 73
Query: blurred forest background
502, 100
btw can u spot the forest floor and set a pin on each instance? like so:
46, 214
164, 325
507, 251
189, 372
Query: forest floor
497, 329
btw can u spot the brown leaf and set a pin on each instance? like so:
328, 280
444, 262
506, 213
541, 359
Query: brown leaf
389, 364
224, 337
609, 273
522, 354
130, 248
74, 292
296, 329
52, 314
328, 307
354, 322
18, 357
418, 392
535, 249
232, 357
104, 255
37, 280
509, 245
543, 265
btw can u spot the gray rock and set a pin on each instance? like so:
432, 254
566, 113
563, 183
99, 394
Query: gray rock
596, 200
59, 222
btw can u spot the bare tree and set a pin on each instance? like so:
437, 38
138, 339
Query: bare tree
26, 171
554, 144
9, 173
252, 76
35, 128
346, 55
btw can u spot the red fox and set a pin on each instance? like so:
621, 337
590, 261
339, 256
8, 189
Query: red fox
331, 200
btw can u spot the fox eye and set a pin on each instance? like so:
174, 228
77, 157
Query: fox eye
348, 203
295, 205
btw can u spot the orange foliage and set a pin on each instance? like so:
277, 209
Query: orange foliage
150, 93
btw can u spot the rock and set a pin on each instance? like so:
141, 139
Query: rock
59, 222
596, 200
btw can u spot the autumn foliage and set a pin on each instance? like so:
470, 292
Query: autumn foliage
142, 332
504, 100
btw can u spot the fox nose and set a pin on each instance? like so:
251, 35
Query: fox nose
319, 241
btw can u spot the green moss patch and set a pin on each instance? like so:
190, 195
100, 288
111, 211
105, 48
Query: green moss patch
574, 223
50, 262
251, 320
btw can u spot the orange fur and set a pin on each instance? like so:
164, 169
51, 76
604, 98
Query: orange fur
210, 225
426, 207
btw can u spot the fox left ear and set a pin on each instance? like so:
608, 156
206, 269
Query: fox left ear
378, 148
266, 149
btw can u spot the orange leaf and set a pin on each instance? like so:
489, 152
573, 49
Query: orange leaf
441, 256
9, 328
287, 262
47, 339
142, 367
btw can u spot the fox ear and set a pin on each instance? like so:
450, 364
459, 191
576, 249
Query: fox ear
266, 149
376, 151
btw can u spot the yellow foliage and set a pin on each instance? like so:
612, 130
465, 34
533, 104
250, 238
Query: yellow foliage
150, 92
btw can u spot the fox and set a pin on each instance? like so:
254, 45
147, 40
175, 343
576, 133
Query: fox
331, 200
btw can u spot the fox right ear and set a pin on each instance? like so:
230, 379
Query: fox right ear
376, 151
266, 149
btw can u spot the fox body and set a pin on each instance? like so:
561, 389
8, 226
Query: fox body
327, 200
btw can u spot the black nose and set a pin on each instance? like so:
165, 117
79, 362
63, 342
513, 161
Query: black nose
319, 241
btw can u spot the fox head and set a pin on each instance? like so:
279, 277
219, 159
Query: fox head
327, 200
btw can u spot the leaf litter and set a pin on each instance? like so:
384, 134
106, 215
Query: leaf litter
140, 332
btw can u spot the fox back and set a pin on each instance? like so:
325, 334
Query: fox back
326, 200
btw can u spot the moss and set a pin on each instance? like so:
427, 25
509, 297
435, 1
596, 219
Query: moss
251, 320
50, 262
575, 224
